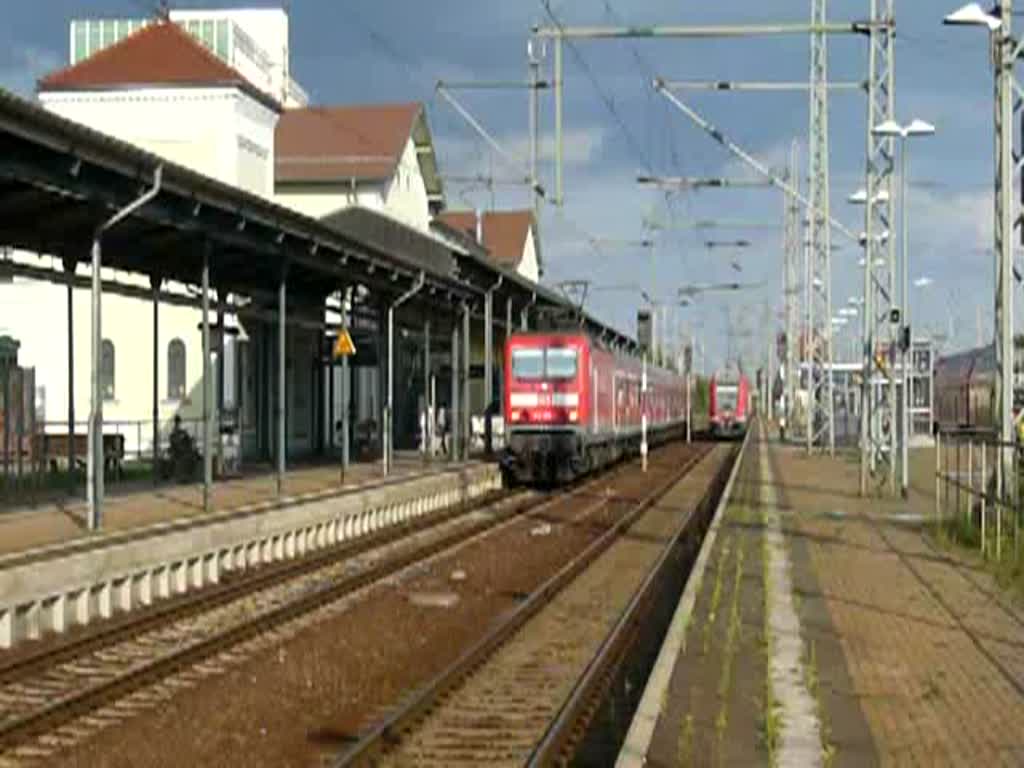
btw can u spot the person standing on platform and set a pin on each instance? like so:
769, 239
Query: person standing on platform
442, 428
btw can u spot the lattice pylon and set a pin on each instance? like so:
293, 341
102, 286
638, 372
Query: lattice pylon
1009, 96
878, 395
791, 284
820, 400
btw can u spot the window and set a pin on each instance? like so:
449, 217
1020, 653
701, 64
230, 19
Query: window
551, 363
727, 398
107, 367
207, 34
176, 369
222, 39
80, 33
528, 363
561, 363
94, 39
106, 33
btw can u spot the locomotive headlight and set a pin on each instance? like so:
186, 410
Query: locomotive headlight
516, 415
574, 415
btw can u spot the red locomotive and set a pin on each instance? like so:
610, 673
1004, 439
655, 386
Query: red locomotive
572, 405
729, 405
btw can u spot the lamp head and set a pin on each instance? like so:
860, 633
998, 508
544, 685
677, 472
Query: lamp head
972, 14
919, 128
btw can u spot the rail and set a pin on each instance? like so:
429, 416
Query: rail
389, 730
972, 496
135, 672
572, 719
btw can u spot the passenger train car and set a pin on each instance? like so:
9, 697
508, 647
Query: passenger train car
572, 405
728, 405
965, 386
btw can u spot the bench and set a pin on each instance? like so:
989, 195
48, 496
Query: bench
49, 447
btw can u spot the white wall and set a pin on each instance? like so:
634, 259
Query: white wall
128, 323
403, 197
318, 200
268, 29
200, 128
219, 132
528, 267
406, 198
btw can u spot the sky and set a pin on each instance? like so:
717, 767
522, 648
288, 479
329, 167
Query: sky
617, 126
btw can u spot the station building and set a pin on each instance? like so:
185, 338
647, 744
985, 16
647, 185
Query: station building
212, 92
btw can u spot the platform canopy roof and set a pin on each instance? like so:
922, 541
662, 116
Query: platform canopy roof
59, 180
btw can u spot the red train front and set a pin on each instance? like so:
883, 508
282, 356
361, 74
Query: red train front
729, 405
572, 406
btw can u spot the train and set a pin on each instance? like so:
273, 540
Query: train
572, 406
728, 405
964, 385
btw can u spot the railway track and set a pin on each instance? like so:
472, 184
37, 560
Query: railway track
63, 694
527, 690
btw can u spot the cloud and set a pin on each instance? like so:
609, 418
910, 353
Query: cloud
775, 156
22, 65
470, 154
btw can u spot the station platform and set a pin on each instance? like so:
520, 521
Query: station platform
827, 629
143, 504
158, 543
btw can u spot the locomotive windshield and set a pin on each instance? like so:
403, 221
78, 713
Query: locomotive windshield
726, 397
550, 363
561, 363
528, 363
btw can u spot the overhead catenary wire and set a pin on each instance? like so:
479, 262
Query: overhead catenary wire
635, 147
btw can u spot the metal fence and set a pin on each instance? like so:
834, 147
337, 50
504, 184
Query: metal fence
35, 454
17, 419
136, 437
971, 494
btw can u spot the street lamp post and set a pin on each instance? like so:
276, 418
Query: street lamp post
903, 132
1005, 52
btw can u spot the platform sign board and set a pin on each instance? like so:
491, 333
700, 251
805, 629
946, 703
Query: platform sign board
644, 330
343, 346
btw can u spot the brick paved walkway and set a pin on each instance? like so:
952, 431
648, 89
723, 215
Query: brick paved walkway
926, 649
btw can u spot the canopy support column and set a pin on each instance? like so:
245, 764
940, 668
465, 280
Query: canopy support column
282, 399
467, 403
69, 271
155, 283
207, 382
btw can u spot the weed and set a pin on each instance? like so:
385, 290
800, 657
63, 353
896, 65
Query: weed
771, 724
721, 723
686, 742
716, 596
729, 652
813, 682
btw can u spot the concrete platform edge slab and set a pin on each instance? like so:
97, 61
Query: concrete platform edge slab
53, 593
641, 731
800, 738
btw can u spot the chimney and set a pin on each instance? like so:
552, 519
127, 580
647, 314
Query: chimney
479, 227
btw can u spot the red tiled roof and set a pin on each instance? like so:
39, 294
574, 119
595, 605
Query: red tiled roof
504, 232
158, 54
364, 143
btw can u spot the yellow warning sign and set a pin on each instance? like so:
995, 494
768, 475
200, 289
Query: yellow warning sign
880, 361
343, 346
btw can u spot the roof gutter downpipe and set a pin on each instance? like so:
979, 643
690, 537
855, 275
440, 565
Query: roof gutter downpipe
387, 453
489, 357
524, 313
95, 454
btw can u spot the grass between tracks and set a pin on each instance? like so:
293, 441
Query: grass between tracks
959, 535
771, 717
716, 707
